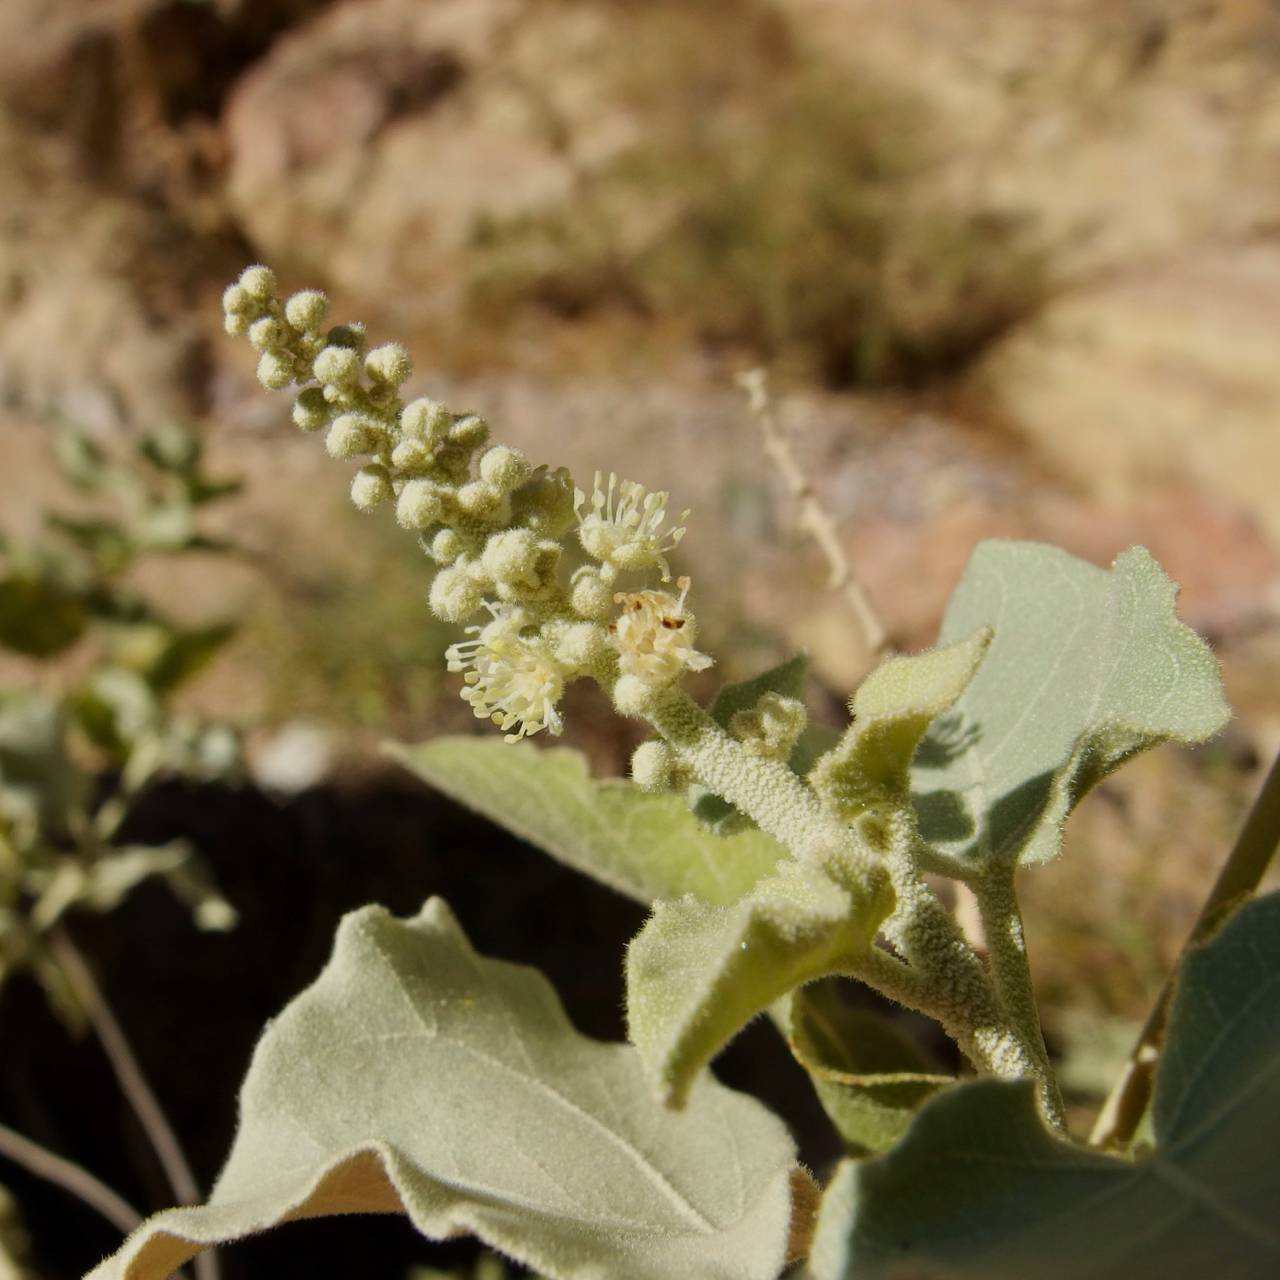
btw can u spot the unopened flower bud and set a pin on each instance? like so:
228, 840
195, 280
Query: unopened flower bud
446, 546
420, 505
651, 766
389, 364
311, 410
337, 366
411, 455
579, 644
545, 502
371, 487
590, 595
425, 420
306, 310
469, 432
259, 283
352, 435
634, 696
504, 467
236, 301
236, 324
482, 500
455, 594
266, 334
275, 371
511, 556
349, 336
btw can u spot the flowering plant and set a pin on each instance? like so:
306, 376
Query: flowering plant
780, 861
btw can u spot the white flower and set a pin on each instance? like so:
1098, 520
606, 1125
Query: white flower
654, 636
624, 525
512, 679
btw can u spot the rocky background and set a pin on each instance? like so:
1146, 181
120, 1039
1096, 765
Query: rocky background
1014, 266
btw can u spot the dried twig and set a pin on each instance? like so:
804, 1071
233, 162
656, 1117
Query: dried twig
814, 518
70, 1177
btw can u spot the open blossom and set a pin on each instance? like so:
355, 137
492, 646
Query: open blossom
624, 526
512, 679
654, 635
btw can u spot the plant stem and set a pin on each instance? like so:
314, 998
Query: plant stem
1006, 942
132, 1081
70, 1177
1240, 876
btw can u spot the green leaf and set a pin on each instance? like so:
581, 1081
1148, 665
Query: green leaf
1088, 667
166, 657
645, 846
979, 1189
416, 1075
38, 782
698, 973
38, 617
869, 1076
788, 679
892, 709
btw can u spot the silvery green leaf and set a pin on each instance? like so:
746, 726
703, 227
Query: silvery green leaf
979, 1190
418, 1076
697, 973
1088, 667
643, 845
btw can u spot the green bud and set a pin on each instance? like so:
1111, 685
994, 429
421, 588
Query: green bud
352, 435
275, 371
590, 595
306, 310
235, 324
482, 500
266, 334
411, 455
446, 546
580, 644
337, 366
504, 467
545, 502
425, 420
371, 487
236, 301
349, 336
511, 556
389, 364
420, 505
470, 432
634, 695
311, 410
651, 766
259, 283
455, 594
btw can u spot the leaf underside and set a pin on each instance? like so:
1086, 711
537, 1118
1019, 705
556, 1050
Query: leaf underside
979, 1190
418, 1076
645, 846
1088, 667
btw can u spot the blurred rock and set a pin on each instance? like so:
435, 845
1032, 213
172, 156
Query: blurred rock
97, 291
370, 145
1166, 375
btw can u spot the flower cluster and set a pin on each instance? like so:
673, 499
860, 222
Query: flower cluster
494, 525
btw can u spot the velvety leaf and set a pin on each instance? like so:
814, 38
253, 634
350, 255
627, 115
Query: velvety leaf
1088, 667
870, 1077
892, 709
979, 1190
38, 617
698, 973
417, 1076
643, 845
788, 679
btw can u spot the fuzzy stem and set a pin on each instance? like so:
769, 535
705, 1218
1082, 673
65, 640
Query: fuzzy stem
68, 1175
1002, 926
133, 1083
1240, 876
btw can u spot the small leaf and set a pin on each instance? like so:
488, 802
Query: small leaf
697, 973
1088, 667
870, 1077
415, 1075
788, 679
38, 617
892, 709
645, 846
979, 1190
166, 657
38, 781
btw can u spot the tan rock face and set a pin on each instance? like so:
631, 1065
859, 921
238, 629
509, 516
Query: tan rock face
1170, 374
370, 146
